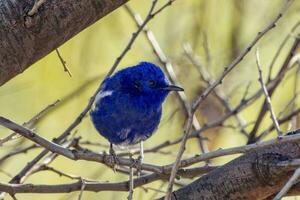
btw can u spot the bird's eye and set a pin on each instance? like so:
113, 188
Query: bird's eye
152, 83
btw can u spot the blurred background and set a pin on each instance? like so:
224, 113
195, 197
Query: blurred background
216, 30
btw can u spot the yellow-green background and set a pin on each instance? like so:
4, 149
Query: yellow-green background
229, 25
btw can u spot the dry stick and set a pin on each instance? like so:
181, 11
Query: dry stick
30, 123
167, 66
198, 100
77, 120
268, 100
283, 70
288, 185
63, 62
64, 174
290, 103
81, 189
217, 92
36, 6
179, 155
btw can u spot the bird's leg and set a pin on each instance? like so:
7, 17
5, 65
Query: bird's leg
140, 158
114, 155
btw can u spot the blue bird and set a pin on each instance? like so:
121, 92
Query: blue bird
128, 106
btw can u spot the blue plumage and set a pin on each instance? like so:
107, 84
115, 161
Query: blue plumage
129, 105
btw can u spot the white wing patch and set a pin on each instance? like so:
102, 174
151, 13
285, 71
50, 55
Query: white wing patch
103, 94
100, 96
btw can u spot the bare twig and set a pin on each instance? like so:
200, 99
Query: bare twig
288, 185
63, 62
83, 184
64, 174
274, 119
179, 156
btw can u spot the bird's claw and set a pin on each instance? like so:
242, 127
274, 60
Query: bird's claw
116, 160
112, 159
138, 163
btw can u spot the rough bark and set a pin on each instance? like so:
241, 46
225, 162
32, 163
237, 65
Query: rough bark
255, 175
25, 39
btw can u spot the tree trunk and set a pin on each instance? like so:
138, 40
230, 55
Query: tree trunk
26, 36
258, 174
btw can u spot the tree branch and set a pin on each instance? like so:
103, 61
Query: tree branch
258, 174
27, 26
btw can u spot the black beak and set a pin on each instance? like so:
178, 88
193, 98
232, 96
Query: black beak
173, 88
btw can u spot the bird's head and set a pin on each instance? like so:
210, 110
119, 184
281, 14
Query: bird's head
148, 80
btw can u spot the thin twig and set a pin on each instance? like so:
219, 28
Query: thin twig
44, 167
260, 79
81, 189
288, 185
63, 62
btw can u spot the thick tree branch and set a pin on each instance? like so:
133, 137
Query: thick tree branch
26, 35
258, 174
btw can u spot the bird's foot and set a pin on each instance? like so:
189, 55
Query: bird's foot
116, 160
111, 159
